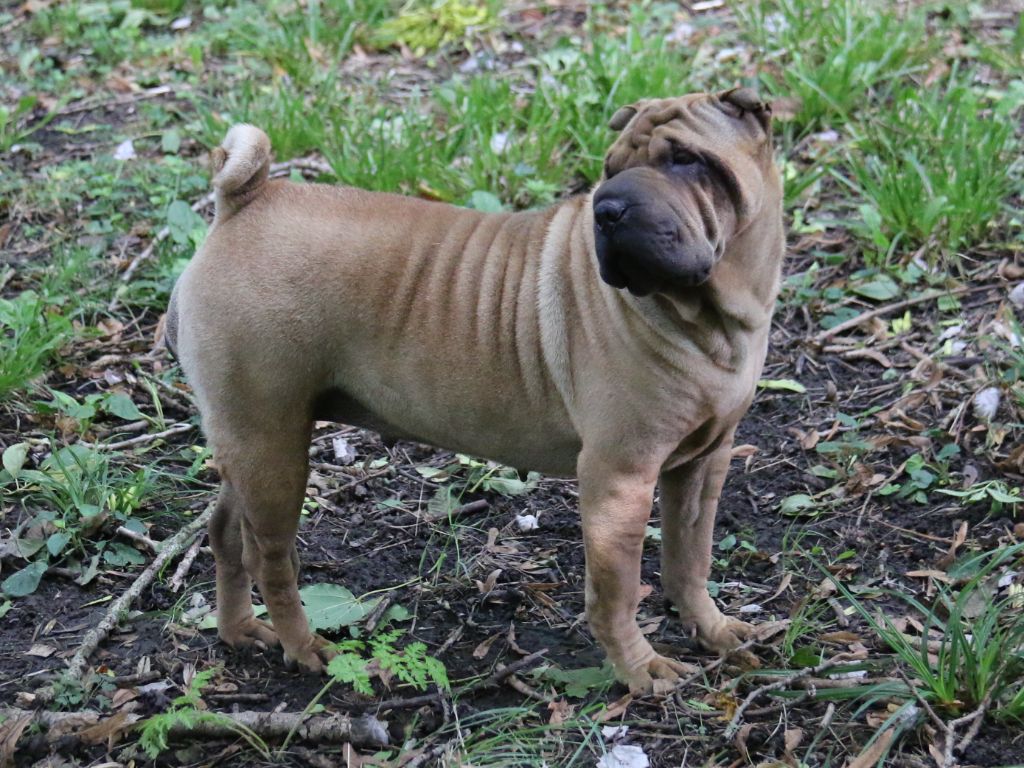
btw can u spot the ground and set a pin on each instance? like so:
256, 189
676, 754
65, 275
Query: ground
870, 525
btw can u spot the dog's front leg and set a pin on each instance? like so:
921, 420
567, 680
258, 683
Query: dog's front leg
615, 506
689, 502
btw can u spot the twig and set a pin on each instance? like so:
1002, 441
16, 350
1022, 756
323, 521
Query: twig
151, 93
146, 252
778, 685
370, 625
529, 692
853, 322
176, 429
168, 550
364, 731
470, 508
138, 538
178, 579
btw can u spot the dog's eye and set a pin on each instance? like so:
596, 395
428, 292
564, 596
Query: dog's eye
682, 156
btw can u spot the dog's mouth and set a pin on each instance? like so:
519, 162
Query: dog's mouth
643, 265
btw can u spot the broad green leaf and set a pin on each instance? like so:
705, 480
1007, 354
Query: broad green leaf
118, 555
170, 142
795, 504
578, 682
332, 606
508, 486
14, 458
485, 201
397, 613
121, 405
25, 581
787, 384
5, 607
56, 542
881, 288
182, 221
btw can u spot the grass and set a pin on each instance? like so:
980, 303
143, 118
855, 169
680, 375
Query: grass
836, 59
970, 653
935, 170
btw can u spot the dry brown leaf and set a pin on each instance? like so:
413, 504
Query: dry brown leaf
109, 730
958, 539
484, 647
561, 710
615, 709
842, 637
930, 573
10, 732
791, 740
874, 751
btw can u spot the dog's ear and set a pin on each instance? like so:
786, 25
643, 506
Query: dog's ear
738, 101
622, 117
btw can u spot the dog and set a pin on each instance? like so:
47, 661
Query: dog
615, 336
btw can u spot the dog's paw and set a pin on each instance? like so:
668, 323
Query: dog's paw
658, 675
251, 633
312, 657
724, 634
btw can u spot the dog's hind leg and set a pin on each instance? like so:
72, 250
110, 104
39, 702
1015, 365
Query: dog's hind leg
236, 623
265, 468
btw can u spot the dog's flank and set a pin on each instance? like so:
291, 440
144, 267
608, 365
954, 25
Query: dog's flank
240, 166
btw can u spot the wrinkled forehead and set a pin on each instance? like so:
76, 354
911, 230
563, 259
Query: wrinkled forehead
696, 121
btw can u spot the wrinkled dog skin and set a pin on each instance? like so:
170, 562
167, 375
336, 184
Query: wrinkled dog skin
616, 337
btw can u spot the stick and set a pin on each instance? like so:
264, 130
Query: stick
781, 683
364, 731
853, 322
168, 550
466, 509
138, 538
176, 429
178, 579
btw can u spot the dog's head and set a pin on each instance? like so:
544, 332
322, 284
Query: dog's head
684, 177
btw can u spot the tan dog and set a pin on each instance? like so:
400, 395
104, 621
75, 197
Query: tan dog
504, 335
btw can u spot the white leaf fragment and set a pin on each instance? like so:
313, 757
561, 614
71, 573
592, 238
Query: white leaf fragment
624, 756
125, 150
344, 453
751, 608
614, 732
527, 523
986, 403
1017, 295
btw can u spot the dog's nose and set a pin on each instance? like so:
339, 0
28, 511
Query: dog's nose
607, 212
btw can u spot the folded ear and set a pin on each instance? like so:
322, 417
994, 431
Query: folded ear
748, 100
622, 117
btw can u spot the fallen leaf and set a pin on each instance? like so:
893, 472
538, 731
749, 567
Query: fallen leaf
624, 756
481, 651
872, 753
10, 732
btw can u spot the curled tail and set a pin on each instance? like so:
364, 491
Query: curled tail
240, 166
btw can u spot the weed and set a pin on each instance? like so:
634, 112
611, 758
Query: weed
411, 665
971, 651
33, 332
933, 170
75, 490
185, 713
835, 57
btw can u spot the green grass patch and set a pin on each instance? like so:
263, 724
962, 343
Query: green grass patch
932, 169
